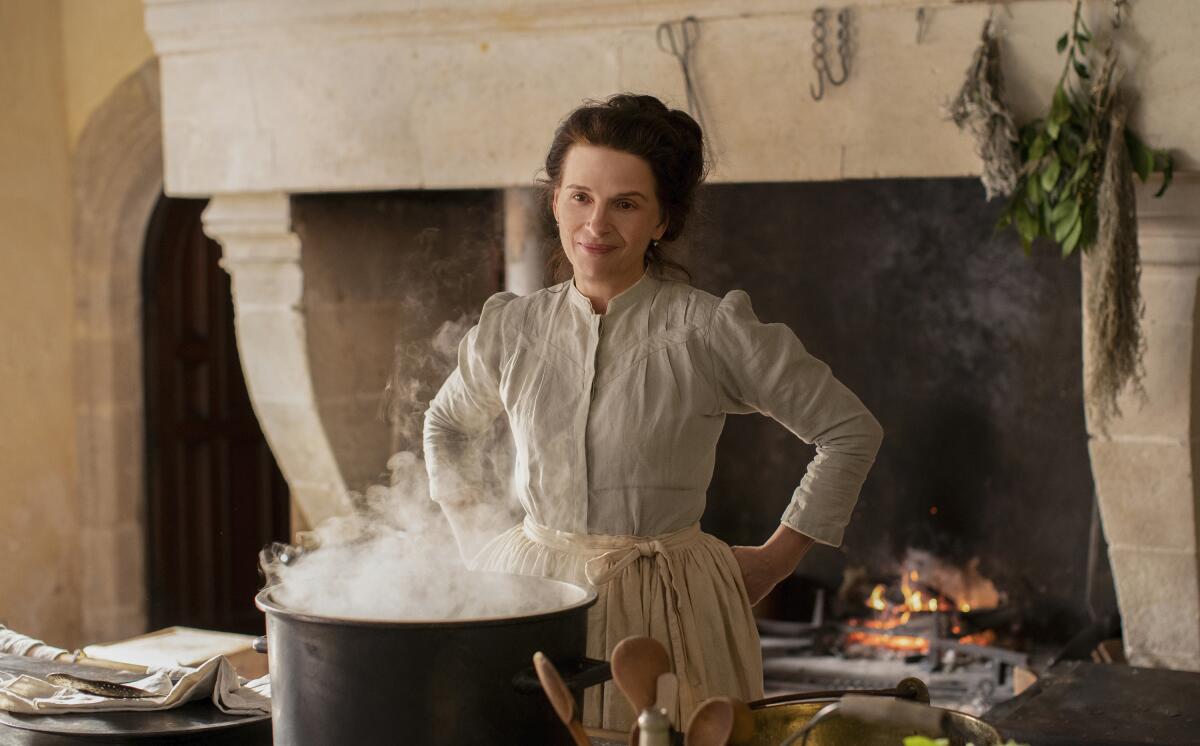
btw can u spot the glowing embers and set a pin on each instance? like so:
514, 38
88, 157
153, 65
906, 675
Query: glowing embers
904, 633
928, 602
899, 643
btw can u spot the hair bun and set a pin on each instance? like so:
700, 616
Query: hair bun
686, 126
640, 102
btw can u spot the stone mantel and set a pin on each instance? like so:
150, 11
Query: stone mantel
309, 96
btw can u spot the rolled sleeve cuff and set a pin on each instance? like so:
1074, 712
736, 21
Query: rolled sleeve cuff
822, 524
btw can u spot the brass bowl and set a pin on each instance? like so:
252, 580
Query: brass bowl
774, 723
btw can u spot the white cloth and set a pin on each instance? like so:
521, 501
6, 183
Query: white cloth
214, 679
615, 420
615, 417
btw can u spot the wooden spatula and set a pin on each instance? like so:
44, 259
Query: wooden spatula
560, 697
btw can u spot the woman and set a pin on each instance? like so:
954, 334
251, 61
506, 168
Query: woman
616, 384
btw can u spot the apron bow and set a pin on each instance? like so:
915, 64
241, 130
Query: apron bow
600, 570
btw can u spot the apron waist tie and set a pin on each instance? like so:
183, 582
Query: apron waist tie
612, 554
600, 570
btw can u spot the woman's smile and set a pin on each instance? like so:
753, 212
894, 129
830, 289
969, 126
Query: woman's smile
596, 248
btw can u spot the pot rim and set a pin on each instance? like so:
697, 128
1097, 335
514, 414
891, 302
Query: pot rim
264, 601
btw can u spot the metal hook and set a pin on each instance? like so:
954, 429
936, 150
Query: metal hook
843, 48
818, 47
689, 32
681, 50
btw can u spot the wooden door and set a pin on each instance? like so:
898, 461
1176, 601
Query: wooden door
214, 493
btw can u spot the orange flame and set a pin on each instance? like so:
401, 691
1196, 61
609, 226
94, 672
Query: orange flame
876, 601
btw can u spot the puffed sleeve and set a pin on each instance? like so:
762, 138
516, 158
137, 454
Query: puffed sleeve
765, 368
466, 405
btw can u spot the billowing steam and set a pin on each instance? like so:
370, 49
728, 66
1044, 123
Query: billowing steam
392, 555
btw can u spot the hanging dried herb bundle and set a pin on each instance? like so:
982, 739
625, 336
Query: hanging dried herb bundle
980, 106
1113, 342
1075, 187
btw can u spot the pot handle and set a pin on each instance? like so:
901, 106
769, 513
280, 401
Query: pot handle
577, 673
260, 644
910, 688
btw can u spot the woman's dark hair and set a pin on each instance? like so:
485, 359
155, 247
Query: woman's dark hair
669, 140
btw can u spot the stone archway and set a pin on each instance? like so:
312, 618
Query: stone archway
117, 179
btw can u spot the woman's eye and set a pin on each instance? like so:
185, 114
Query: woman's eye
626, 205
579, 196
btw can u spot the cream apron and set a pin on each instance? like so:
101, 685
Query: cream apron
683, 588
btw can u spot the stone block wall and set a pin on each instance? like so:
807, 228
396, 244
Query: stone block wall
1145, 463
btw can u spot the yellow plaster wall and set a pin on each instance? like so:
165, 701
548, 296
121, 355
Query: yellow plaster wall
39, 540
59, 60
103, 41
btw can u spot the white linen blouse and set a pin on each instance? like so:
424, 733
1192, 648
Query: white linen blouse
615, 417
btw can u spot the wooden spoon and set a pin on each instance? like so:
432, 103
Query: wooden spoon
637, 662
711, 723
560, 697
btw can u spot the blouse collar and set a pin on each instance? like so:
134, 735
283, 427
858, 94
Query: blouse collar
627, 298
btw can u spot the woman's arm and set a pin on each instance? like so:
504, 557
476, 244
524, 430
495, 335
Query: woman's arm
765, 368
458, 483
467, 404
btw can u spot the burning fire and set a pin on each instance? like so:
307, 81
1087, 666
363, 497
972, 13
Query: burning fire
928, 584
949, 591
913, 598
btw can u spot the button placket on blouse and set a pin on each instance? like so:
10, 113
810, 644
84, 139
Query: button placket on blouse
596, 329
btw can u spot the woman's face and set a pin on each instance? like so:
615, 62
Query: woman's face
607, 213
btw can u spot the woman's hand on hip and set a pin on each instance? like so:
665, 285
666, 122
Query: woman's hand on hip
763, 567
758, 574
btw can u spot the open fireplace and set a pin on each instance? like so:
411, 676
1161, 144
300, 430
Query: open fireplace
970, 657
974, 552
975, 544
975, 557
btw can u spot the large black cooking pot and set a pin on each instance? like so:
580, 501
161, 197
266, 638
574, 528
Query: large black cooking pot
430, 682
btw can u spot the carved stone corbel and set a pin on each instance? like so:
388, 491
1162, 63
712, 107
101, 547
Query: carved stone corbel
262, 256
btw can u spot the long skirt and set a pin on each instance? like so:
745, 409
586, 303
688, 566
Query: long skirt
684, 589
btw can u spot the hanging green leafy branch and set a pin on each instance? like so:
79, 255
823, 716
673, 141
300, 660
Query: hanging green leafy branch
1062, 155
1069, 178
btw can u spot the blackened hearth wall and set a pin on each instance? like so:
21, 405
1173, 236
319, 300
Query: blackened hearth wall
968, 352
